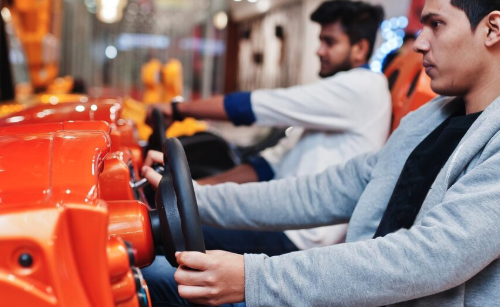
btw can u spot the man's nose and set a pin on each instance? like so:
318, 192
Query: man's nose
421, 44
320, 51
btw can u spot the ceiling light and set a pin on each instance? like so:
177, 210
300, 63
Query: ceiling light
220, 20
111, 52
110, 11
6, 14
263, 5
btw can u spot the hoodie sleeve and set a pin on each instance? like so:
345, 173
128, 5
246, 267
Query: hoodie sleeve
291, 203
450, 244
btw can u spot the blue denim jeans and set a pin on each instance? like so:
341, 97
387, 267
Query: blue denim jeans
160, 275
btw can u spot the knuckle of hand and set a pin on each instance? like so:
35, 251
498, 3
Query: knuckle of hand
182, 292
178, 276
214, 292
210, 279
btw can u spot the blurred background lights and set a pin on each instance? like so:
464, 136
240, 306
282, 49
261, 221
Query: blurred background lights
6, 14
263, 5
220, 20
393, 32
110, 11
403, 22
91, 6
111, 52
80, 108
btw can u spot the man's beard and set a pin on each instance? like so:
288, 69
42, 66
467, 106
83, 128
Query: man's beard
344, 66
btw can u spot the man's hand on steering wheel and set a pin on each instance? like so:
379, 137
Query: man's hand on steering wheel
147, 171
166, 110
214, 278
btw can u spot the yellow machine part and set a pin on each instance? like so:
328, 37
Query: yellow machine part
162, 84
9, 108
32, 100
60, 98
172, 80
150, 74
61, 85
132, 109
187, 127
37, 23
137, 111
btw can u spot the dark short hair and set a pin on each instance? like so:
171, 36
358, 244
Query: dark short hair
359, 20
409, 36
476, 10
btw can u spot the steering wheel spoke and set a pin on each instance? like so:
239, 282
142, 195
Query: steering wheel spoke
176, 205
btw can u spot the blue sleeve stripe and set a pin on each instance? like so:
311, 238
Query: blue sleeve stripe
238, 107
262, 168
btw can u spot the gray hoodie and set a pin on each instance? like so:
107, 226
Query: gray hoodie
448, 257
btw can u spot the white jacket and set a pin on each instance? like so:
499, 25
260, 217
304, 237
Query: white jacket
343, 116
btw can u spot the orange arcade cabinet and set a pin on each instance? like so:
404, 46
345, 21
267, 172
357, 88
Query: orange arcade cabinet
55, 248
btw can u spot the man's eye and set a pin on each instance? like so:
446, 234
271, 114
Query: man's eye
329, 42
435, 24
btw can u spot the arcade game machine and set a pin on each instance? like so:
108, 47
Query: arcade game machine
6, 81
37, 25
31, 32
163, 83
7, 76
61, 244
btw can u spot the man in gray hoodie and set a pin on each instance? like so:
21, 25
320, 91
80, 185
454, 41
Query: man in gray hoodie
424, 211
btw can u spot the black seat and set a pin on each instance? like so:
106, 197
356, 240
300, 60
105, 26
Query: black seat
209, 154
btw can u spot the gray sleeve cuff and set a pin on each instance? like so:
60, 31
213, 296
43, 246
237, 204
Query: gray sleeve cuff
252, 265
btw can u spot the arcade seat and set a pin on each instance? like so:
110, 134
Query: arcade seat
409, 85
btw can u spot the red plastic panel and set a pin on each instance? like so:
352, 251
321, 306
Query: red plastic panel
108, 111
67, 246
53, 127
130, 221
61, 166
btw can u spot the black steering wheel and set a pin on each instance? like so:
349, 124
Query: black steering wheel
157, 138
176, 205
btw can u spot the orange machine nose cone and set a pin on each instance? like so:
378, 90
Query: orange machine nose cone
130, 221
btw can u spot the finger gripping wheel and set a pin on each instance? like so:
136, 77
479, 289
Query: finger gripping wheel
176, 205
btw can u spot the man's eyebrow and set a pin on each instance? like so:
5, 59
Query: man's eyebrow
326, 36
426, 17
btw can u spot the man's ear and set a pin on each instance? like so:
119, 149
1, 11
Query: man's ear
361, 49
493, 26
